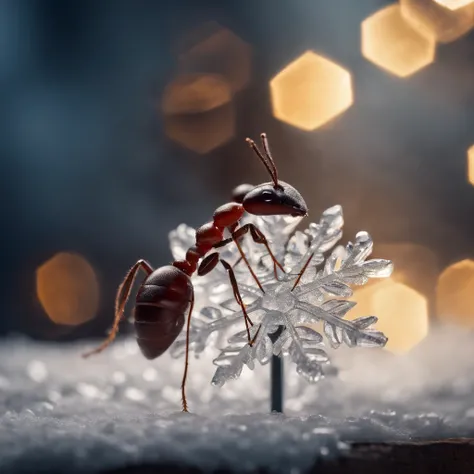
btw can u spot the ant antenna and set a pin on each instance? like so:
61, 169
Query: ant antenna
270, 166
268, 154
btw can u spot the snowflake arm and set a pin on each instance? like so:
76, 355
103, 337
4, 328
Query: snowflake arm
232, 359
353, 269
202, 328
306, 351
338, 330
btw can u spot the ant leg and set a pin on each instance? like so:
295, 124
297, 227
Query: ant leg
244, 258
259, 238
235, 239
256, 334
238, 297
186, 363
300, 274
208, 264
123, 293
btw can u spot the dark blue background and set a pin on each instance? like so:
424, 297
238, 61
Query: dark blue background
87, 166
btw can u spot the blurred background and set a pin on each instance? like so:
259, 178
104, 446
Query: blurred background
122, 119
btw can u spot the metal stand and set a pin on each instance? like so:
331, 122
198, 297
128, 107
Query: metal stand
276, 379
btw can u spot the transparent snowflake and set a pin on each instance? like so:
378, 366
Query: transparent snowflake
287, 316
214, 288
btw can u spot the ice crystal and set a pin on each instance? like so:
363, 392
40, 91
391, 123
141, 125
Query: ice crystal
287, 316
214, 287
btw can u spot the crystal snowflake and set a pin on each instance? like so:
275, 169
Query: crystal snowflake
214, 287
287, 317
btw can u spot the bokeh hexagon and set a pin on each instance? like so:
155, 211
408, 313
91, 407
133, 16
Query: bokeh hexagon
402, 313
202, 132
454, 4
470, 165
455, 294
394, 45
311, 91
68, 289
198, 111
445, 25
211, 48
195, 93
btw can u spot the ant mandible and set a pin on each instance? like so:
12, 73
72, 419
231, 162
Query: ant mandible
167, 292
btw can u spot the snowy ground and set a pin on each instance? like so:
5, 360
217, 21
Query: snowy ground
60, 412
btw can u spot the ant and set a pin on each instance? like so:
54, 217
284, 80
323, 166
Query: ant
167, 292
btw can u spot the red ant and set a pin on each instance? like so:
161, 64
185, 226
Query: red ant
167, 292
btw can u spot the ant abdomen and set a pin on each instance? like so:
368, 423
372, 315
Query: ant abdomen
160, 307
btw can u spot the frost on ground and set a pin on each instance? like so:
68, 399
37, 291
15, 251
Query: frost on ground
60, 412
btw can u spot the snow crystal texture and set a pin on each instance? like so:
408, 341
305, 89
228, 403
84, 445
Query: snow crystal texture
60, 412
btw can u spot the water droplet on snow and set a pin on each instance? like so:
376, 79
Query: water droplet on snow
119, 352
90, 391
44, 406
164, 423
118, 377
342, 446
37, 371
324, 451
295, 404
134, 394
323, 431
131, 347
54, 396
170, 394
149, 374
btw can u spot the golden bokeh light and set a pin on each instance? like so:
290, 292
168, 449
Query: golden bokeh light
68, 289
454, 4
402, 313
391, 43
470, 165
444, 24
210, 48
455, 294
202, 132
194, 93
199, 112
311, 91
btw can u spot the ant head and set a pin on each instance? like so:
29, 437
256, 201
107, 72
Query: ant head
276, 197
268, 199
